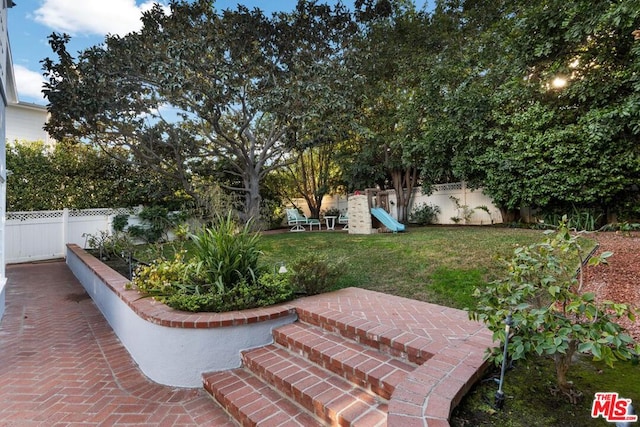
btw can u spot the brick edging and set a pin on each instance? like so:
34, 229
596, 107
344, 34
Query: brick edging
430, 393
160, 314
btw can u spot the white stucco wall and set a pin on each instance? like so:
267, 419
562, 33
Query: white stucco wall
441, 196
173, 356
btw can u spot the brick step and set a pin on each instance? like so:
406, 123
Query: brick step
399, 343
253, 403
363, 366
331, 398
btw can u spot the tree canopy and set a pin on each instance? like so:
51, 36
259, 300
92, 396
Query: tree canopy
537, 103
197, 87
557, 92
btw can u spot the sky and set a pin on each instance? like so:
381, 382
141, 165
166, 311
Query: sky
30, 22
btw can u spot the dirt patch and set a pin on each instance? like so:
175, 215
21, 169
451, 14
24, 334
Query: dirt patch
620, 280
117, 263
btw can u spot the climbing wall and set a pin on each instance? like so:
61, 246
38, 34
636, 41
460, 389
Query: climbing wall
359, 215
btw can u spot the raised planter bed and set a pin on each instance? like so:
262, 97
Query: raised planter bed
172, 347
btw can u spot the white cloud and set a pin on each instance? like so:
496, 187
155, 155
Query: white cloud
92, 17
29, 82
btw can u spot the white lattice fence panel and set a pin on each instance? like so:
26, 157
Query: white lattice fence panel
40, 235
32, 236
34, 216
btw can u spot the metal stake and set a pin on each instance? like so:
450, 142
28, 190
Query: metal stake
500, 394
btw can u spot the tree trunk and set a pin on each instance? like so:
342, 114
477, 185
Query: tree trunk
252, 198
509, 215
562, 364
403, 183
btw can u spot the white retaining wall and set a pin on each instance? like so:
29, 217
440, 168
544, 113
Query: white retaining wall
170, 355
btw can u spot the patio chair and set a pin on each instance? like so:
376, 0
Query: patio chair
344, 220
298, 220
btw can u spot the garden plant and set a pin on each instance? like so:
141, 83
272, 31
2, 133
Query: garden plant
222, 273
551, 316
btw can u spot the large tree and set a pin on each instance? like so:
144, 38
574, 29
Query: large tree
557, 95
382, 151
197, 86
312, 176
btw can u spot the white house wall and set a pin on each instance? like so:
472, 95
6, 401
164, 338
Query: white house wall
8, 95
25, 122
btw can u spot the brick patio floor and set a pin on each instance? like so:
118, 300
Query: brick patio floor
62, 365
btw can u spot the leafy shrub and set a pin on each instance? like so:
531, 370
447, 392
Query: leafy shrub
271, 289
227, 256
180, 286
223, 274
314, 274
156, 223
424, 214
109, 245
120, 222
165, 277
542, 295
272, 213
211, 199
624, 227
579, 219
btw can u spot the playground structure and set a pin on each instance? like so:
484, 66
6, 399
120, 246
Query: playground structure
369, 213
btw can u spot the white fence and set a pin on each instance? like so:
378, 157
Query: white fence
455, 200
41, 235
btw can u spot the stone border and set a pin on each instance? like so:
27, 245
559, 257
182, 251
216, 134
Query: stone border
172, 347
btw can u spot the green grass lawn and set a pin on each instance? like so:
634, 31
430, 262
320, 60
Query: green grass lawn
437, 264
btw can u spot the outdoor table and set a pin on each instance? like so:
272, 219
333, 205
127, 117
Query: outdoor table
330, 221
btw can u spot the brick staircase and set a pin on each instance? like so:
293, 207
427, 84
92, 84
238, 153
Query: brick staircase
336, 368
309, 377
